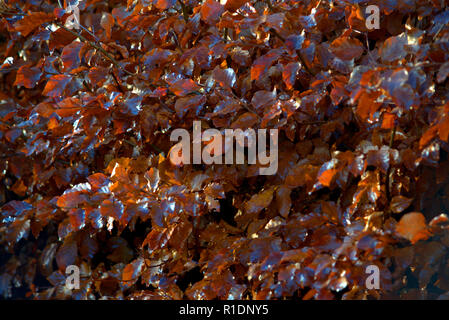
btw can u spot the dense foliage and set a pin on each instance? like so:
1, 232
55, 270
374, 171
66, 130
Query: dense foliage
85, 121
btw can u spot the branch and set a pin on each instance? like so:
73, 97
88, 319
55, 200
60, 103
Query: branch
185, 11
387, 178
116, 81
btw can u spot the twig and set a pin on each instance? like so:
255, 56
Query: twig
185, 12
175, 37
116, 81
86, 85
225, 35
387, 178
372, 60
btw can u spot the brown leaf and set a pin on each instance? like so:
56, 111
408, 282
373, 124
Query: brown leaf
71, 199
225, 77
107, 22
245, 121
443, 72
164, 4
400, 203
133, 270
259, 201
28, 76
263, 63
71, 55
346, 48
67, 254
183, 87
211, 11
98, 75
56, 85
394, 48
233, 5
289, 74
32, 21
283, 200
189, 103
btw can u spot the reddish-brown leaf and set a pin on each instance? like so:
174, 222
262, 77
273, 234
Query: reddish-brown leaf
56, 85
211, 11
259, 201
233, 5
185, 104
443, 72
283, 200
289, 74
263, 63
32, 21
28, 76
71, 199
394, 48
183, 87
225, 77
71, 55
107, 22
164, 4
132, 271
347, 48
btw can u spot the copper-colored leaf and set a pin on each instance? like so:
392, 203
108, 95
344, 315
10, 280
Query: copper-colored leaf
347, 48
56, 85
233, 5
413, 227
183, 87
28, 76
211, 11
32, 21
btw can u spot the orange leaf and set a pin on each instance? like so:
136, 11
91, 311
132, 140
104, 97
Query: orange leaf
388, 121
413, 227
56, 85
